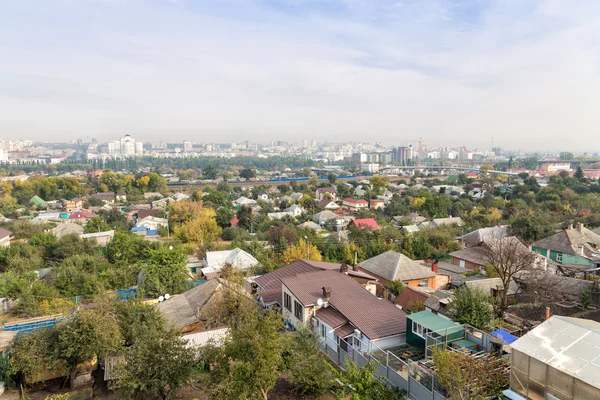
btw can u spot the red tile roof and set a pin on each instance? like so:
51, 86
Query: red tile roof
234, 221
4, 233
366, 223
376, 318
355, 201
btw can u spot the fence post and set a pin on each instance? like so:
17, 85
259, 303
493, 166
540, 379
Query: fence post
432, 385
387, 365
408, 379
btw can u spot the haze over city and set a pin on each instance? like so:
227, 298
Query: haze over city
453, 72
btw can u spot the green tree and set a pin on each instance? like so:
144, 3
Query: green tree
248, 173
91, 332
395, 287
126, 249
159, 363
165, 271
307, 362
361, 383
246, 366
579, 174
210, 172
471, 306
96, 224
332, 178
565, 155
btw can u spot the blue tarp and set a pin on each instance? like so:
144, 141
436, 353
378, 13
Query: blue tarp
503, 335
138, 228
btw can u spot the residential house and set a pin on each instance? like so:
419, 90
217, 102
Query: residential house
295, 210
439, 302
152, 223
340, 310
161, 203
323, 217
448, 221
394, 266
376, 204
410, 229
476, 258
425, 322
355, 204
5, 236
121, 197
327, 204
366, 223
197, 308
81, 216
558, 359
108, 197
263, 196
153, 195
326, 193
572, 247
311, 225
296, 196
181, 196
101, 238
548, 284
484, 235
269, 285
488, 286
74, 204
359, 191
68, 229
237, 258
141, 214
413, 297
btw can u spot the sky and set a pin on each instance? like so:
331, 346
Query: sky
454, 72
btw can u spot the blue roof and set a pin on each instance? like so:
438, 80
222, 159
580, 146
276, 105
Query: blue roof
503, 335
152, 232
138, 228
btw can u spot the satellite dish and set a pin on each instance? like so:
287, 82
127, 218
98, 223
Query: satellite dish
161, 299
167, 296
320, 302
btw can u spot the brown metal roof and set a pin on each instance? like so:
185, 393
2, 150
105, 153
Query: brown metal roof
272, 280
344, 330
331, 317
271, 296
376, 318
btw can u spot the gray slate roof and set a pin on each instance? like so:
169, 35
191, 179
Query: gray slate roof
392, 266
433, 301
485, 234
571, 241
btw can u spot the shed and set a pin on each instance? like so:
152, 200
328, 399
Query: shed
418, 325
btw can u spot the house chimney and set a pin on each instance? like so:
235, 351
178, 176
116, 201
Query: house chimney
547, 313
354, 267
343, 268
326, 292
434, 266
580, 227
570, 226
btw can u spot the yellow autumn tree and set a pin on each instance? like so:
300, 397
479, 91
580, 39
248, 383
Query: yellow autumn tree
201, 229
301, 251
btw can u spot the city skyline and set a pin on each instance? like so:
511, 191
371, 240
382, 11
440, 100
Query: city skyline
455, 73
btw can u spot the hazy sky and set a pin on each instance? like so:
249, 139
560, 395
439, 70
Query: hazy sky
452, 71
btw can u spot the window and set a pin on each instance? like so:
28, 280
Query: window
287, 302
559, 257
424, 283
356, 342
417, 329
298, 310
323, 329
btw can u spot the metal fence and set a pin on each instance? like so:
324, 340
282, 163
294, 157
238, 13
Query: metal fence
33, 325
419, 382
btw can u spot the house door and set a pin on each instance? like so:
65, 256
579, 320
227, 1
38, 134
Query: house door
462, 263
344, 345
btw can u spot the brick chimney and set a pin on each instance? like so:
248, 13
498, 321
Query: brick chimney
354, 267
434, 266
547, 312
326, 292
343, 268
580, 227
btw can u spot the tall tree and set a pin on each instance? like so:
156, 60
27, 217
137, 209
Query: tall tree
471, 306
301, 251
164, 272
507, 257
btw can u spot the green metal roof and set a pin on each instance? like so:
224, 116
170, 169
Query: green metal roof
432, 321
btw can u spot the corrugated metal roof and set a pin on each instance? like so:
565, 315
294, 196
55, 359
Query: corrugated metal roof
331, 317
570, 345
344, 331
376, 318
